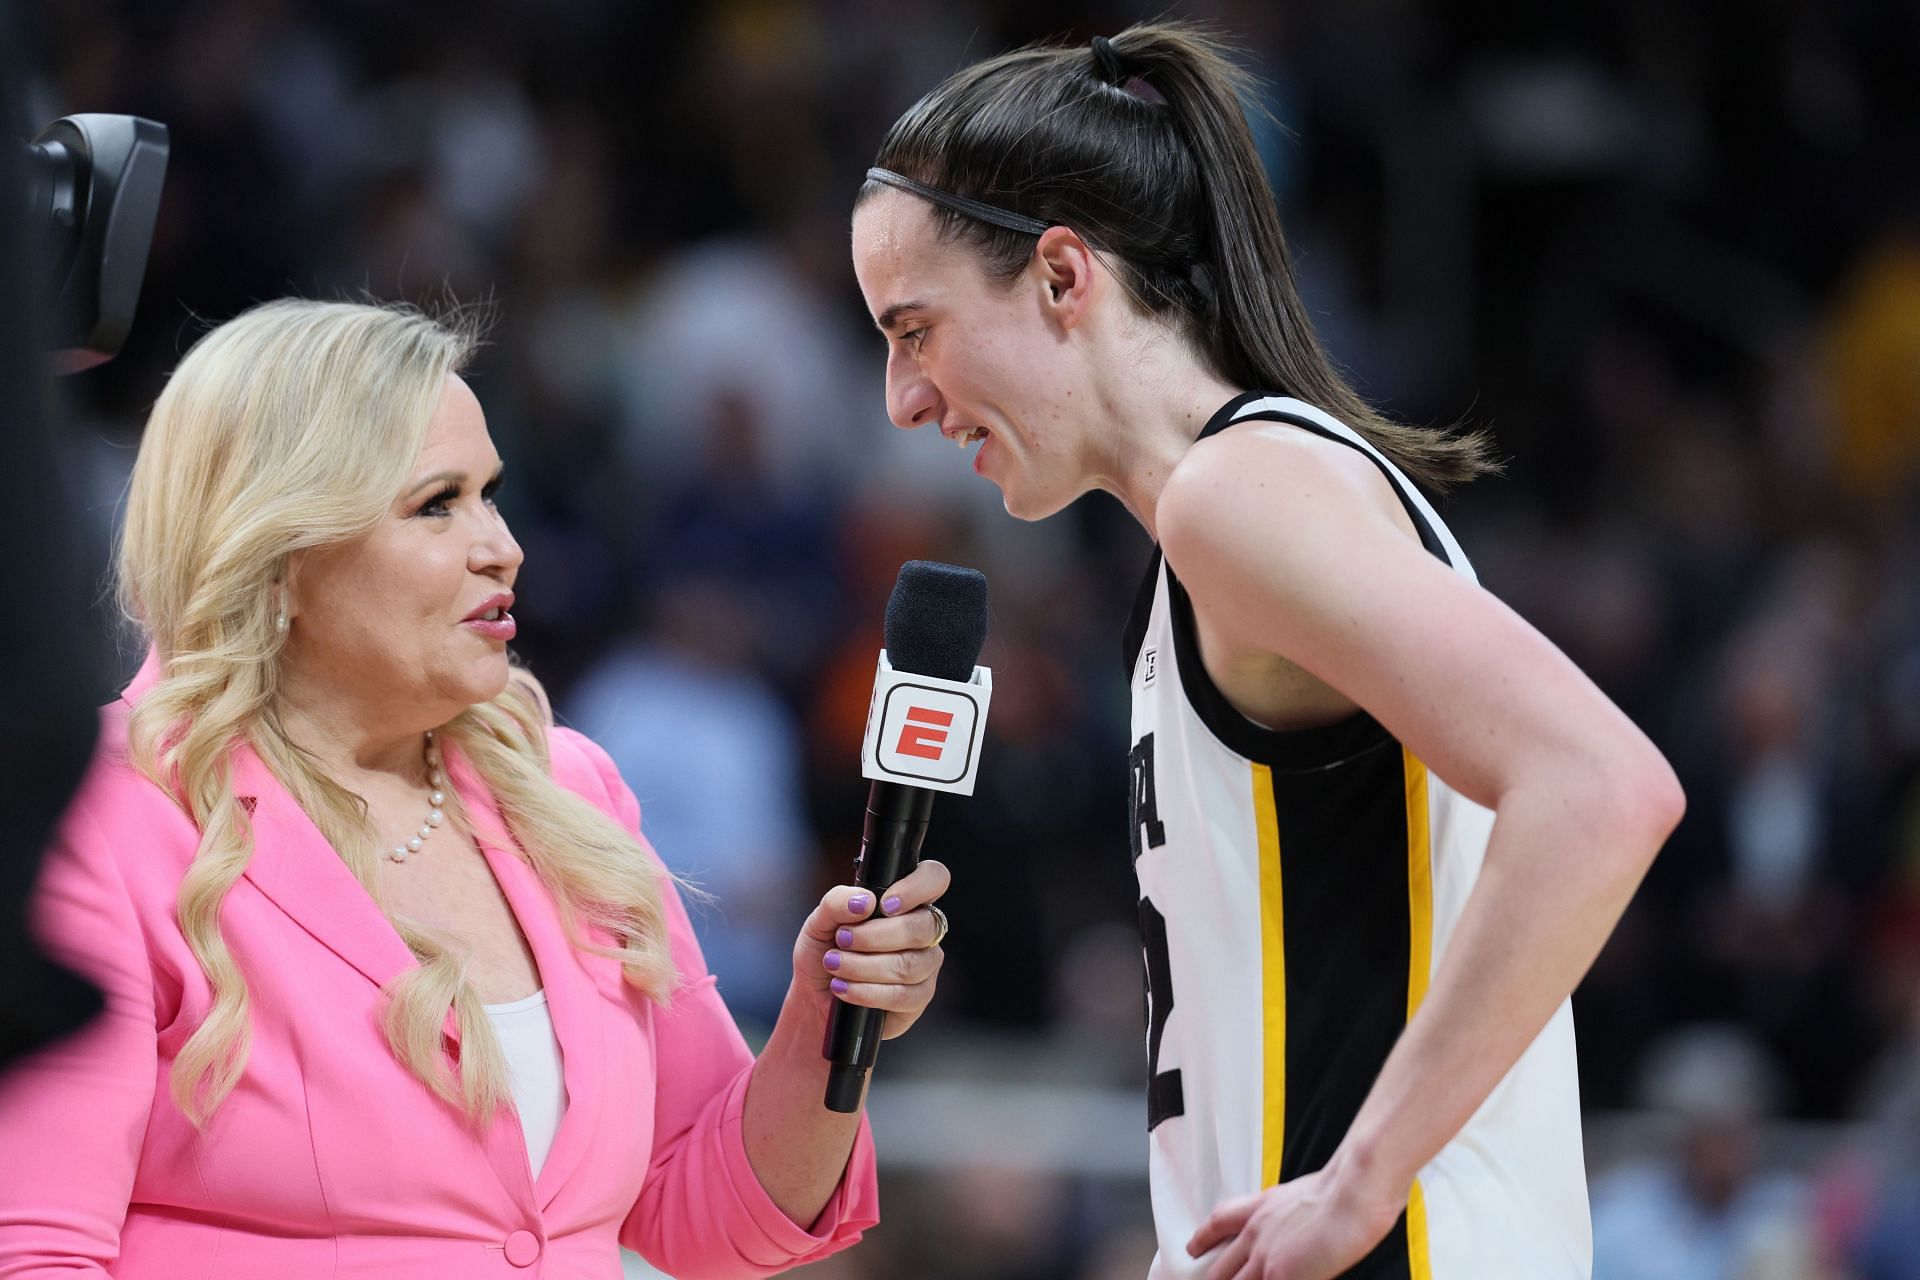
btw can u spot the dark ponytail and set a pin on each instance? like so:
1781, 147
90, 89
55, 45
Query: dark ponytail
1139, 144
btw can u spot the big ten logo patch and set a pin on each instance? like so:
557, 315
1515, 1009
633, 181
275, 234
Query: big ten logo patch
1149, 666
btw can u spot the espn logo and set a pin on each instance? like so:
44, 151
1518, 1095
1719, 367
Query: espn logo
925, 731
927, 734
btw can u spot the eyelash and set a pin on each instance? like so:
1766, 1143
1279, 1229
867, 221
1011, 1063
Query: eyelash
451, 492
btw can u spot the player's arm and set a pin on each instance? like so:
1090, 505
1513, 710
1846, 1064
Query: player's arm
1283, 550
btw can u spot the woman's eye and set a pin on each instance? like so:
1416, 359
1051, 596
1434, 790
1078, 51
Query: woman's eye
440, 503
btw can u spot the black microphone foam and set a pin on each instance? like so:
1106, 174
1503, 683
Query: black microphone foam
937, 620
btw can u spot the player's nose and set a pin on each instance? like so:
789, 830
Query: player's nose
912, 399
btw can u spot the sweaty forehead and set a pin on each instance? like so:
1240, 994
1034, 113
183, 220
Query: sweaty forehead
892, 220
895, 247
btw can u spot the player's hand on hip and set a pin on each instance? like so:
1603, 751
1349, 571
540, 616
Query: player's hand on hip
1305, 1229
879, 948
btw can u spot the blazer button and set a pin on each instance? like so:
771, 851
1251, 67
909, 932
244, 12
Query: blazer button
523, 1247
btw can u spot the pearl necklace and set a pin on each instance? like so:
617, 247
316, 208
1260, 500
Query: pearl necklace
435, 798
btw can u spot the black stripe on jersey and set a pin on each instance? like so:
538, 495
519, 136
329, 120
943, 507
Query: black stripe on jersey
1343, 854
1292, 750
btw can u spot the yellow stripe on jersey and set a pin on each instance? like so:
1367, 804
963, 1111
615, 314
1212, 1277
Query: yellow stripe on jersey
1273, 979
1419, 1265
1419, 883
1419, 969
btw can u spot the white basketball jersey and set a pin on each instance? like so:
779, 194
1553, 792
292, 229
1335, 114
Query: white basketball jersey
1297, 891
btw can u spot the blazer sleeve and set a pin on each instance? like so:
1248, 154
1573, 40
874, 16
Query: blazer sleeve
73, 1115
702, 1213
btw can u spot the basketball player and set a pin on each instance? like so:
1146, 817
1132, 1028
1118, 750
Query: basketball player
1381, 826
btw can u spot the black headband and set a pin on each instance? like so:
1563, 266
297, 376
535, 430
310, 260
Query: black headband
961, 204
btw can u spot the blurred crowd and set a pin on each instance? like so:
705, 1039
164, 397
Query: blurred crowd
1668, 253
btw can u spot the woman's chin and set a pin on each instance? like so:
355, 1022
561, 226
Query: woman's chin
486, 681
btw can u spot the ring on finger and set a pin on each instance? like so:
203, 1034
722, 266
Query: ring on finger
940, 925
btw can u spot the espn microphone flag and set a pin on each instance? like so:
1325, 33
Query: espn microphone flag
925, 731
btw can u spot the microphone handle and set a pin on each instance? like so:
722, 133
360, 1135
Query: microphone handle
889, 848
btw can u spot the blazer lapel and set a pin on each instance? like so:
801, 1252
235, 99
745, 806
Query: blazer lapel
574, 1000
295, 867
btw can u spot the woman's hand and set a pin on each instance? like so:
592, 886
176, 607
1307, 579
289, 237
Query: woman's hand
885, 958
1305, 1229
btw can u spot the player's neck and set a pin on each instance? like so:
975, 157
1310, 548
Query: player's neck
1161, 403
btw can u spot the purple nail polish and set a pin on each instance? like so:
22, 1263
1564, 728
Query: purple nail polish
891, 905
839, 986
833, 959
844, 939
858, 904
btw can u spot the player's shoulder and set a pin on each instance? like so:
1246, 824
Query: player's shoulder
1261, 476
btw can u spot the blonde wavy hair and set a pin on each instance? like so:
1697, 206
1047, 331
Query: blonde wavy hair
294, 426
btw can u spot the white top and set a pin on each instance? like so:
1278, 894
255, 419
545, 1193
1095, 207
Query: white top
1298, 891
526, 1034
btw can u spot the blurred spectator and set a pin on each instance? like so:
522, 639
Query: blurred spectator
732, 319
1887, 1224
1704, 1209
714, 758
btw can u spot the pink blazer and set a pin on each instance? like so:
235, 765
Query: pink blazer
329, 1160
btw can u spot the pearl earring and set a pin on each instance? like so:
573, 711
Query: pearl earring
280, 621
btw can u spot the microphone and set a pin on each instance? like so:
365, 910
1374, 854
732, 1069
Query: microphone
924, 726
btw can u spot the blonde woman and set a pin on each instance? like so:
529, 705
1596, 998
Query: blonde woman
394, 984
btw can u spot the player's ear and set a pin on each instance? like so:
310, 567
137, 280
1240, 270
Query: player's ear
1063, 267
